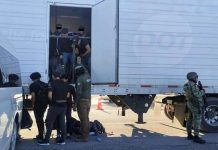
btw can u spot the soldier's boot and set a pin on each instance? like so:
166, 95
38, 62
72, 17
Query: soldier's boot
197, 139
190, 136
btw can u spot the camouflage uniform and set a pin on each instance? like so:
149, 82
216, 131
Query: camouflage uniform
83, 102
194, 99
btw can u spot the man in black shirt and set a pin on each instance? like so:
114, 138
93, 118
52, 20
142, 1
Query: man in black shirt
84, 49
66, 51
39, 97
58, 94
70, 102
13, 78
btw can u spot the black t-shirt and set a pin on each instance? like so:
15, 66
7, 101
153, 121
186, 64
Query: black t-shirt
59, 91
41, 98
65, 44
82, 45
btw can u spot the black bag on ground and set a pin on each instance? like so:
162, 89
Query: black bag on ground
75, 126
26, 120
97, 127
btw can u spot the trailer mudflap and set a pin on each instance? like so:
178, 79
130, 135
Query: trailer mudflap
180, 114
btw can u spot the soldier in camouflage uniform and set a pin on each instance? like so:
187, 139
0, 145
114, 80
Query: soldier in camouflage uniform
194, 97
83, 100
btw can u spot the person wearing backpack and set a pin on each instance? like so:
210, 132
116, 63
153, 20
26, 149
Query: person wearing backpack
39, 97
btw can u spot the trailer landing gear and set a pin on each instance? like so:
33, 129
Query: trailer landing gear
140, 119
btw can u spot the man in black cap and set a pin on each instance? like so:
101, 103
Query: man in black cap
13, 78
84, 49
39, 97
58, 94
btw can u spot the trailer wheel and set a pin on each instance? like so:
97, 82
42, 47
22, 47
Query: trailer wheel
210, 116
169, 111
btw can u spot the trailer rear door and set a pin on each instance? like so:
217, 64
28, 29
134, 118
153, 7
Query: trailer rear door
104, 42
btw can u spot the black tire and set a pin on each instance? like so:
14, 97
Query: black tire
210, 116
168, 113
14, 137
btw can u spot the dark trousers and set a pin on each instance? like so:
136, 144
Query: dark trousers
68, 118
55, 112
83, 109
39, 114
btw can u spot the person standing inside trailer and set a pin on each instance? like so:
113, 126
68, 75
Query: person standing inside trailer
83, 101
194, 97
54, 49
84, 49
58, 94
39, 97
66, 52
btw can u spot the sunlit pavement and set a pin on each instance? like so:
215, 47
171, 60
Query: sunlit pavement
158, 132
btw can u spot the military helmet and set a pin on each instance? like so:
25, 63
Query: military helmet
192, 75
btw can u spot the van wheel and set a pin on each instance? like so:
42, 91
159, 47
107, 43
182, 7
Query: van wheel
13, 137
210, 116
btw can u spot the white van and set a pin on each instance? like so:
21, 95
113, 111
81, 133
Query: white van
11, 102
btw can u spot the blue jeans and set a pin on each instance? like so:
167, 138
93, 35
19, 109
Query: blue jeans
86, 62
68, 59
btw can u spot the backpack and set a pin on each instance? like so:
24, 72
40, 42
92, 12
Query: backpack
26, 120
97, 127
42, 94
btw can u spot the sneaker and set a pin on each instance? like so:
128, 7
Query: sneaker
60, 142
43, 143
197, 139
190, 137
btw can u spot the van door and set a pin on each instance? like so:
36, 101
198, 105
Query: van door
104, 59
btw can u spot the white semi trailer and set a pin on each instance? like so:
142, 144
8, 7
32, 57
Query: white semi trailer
140, 48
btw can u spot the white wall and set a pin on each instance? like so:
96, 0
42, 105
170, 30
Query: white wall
161, 41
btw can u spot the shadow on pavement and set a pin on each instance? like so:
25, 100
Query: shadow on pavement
139, 139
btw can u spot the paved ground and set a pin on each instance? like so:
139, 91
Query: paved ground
157, 133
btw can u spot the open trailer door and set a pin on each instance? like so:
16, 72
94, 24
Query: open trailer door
104, 59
